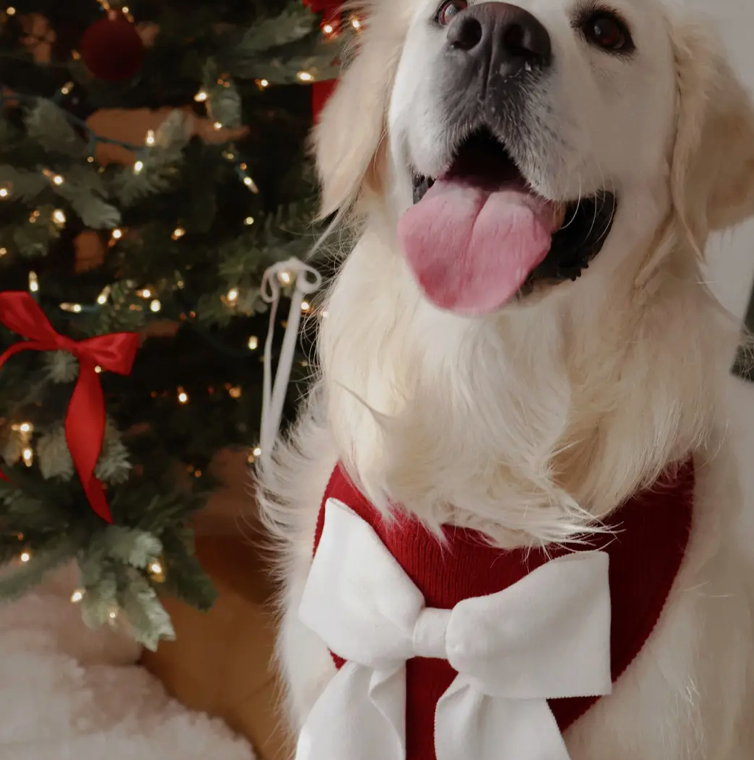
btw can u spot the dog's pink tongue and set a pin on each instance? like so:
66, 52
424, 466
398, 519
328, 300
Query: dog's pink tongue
471, 249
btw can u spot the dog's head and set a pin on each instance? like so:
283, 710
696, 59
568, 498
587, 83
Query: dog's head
513, 143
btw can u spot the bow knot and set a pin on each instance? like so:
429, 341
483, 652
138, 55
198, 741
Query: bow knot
85, 418
545, 637
429, 634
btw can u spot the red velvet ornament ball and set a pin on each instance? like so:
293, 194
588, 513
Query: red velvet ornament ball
112, 49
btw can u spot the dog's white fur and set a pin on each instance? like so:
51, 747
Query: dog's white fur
532, 422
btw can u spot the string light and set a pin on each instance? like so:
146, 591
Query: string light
197, 473
33, 282
182, 396
249, 182
144, 293
10, 10
285, 278
25, 556
138, 166
67, 87
58, 217
57, 180
157, 572
263, 83
201, 96
178, 232
103, 296
305, 76
77, 596
3, 251
149, 140
355, 23
116, 234
235, 391
28, 457
248, 221
4, 192
257, 451
305, 306
26, 427
253, 343
113, 614
328, 28
98, 370
217, 125
233, 295
155, 306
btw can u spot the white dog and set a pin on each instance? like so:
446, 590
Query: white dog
475, 373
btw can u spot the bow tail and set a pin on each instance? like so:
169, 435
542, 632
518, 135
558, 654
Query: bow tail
84, 432
471, 724
354, 717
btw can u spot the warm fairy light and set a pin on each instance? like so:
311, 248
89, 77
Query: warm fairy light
156, 568
285, 278
217, 125
257, 451
253, 343
3, 251
25, 556
305, 76
103, 296
145, 293
201, 96
305, 306
328, 28
76, 308
10, 10
233, 295
356, 24
66, 88
155, 306
90, 159
235, 391
25, 427
124, 10
249, 182
116, 234
4, 192
182, 396
248, 221
58, 217
77, 596
98, 369
325, 314
138, 166
113, 614
75, 55
28, 456
33, 282
57, 180
263, 83
178, 232
149, 139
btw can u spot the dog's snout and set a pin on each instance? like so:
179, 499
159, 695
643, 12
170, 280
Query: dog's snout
502, 36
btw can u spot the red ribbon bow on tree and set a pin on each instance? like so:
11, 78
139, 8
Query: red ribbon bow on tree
85, 419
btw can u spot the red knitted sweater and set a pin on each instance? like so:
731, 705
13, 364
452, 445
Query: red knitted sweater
652, 531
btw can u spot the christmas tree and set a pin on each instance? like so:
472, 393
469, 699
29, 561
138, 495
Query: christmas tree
131, 316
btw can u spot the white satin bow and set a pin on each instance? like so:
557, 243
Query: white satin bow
307, 281
546, 636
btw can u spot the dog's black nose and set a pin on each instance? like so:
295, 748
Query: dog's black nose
500, 36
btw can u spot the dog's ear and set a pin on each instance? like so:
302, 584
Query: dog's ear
349, 138
713, 157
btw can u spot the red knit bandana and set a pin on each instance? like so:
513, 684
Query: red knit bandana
651, 534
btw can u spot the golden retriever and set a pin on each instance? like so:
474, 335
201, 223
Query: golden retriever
519, 341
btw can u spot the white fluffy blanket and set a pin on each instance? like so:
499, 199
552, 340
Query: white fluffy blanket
68, 693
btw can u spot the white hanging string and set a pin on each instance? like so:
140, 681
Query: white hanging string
306, 280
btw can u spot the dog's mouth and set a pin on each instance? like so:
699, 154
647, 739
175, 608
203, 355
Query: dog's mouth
478, 236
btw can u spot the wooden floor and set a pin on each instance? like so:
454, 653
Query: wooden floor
221, 661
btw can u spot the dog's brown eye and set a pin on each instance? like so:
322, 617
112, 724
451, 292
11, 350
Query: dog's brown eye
448, 11
608, 32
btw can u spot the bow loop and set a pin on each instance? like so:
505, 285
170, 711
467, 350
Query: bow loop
114, 353
545, 637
